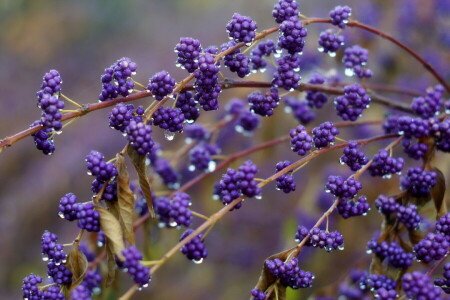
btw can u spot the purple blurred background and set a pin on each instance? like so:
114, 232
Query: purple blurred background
81, 38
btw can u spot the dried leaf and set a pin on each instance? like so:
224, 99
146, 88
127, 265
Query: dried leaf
111, 265
139, 164
414, 236
125, 199
77, 264
113, 232
437, 192
266, 279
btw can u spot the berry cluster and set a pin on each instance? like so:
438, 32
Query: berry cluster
409, 216
285, 9
88, 218
43, 139
300, 110
161, 85
413, 127
289, 273
262, 49
121, 115
196, 132
140, 137
51, 250
414, 150
443, 225
344, 189
51, 84
392, 252
353, 208
207, 82
200, 157
419, 182
443, 283
353, 158
293, 35
419, 286
286, 75
188, 51
330, 42
315, 98
430, 105
354, 101
170, 119
355, 59
241, 28
324, 135
188, 106
139, 273
59, 273
51, 111
339, 15
98, 168
386, 205
258, 295
167, 173
117, 79
441, 134
301, 141
195, 249
247, 122
285, 182
30, 289
263, 104
433, 247
384, 165
174, 212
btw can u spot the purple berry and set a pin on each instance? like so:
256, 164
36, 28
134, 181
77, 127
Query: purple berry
386, 205
418, 182
188, 106
324, 135
207, 82
139, 273
117, 79
441, 133
353, 158
188, 51
287, 76
241, 28
80, 293
196, 132
330, 42
30, 289
289, 273
59, 273
51, 111
344, 189
68, 207
227, 189
195, 249
443, 225
301, 141
434, 246
285, 9
351, 105
51, 250
51, 84
414, 150
430, 105
413, 127
384, 165
351, 208
285, 182
170, 119
88, 218
443, 283
263, 104
247, 122
43, 139
122, 114
355, 59
200, 157
53, 293
257, 54
326, 240
339, 15
110, 191
239, 64
419, 286
293, 35
161, 85
258, 295
97, 167
140, 137
245, 176
409, 216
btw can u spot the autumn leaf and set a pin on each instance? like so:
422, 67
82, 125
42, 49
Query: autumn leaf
125, 199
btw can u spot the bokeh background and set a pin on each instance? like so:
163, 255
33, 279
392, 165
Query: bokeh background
81, 38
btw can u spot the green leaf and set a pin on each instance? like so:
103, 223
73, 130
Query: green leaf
139, 164
125, 199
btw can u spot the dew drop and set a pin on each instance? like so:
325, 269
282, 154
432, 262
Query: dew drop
190, 121
258, 197
296, 69
89, 173
178, 65
188, 140
197, 261
173, 224
44, 258
169, 135
341, 247
212, 166
332, 54
368, 251
215, 197
61, 215
191, 168
161, 225
263, 70
349, 72
321, 49
387, 176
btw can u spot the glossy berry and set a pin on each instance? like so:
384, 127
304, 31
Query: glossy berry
353, 158
397, 257
350, 208
207, 83
376, 282
170, 119
258, 295
140, 137
196, 132
200, 157
385, 294
59, 273
441, 134
51, 84
30, 287
409, 216
390, 125
355, 60
195, 249
227, 188
161, 85
330, 42
80, 293
117, 79
241, 28
300, 110
51, 250
289, 273
443, 225
285, 182
419, 286
326, 240
286, 75
433, 247
413, 127
97, 167
293, 35
239, 64
139, 273
167, 173
43, 139
247, 122
245, 176
324, 135
88, 218
418, 182
235, 107
51, 111
52, 293
257, 54
384, 165
315, 98
344, 189
186, 103
386, 205
264, 104
354, 101
285, 9
122, 114
429, 105
188, 51
339, 15
162, 209
110, 191
301, 141
414, 150
443, 283
68, 207
92, 281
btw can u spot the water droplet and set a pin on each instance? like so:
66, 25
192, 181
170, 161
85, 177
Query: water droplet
447, 111
44, 258
369, 251
173, 186
296, 69
341, 247
341, 161
161, 225
263, 70
191, 168
197, 261
169, 135
212, 166
100, 244
61, 215
258, 197
278, 189
58, 132
147, 161
332, 54
215, 197
349, 72
190, 121
89, 173
321, 49
248, 44
173, 224
188, 140
387, 176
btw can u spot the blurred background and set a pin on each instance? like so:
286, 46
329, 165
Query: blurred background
81, 38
